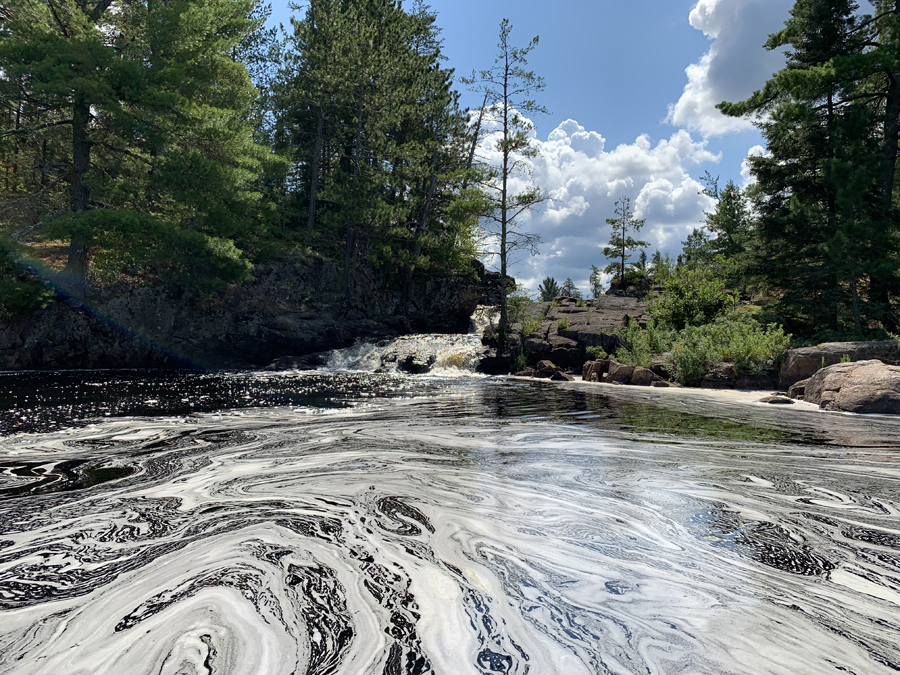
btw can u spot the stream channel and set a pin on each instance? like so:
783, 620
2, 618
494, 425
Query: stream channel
355, 522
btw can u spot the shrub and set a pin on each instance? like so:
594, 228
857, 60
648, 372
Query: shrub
563, 323
642, 344
530, 324
596, 353
20, 292
691, 298
520, 363
695, 350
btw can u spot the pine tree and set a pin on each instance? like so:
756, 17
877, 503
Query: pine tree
508, 88
549, 290
620, 242
814, 190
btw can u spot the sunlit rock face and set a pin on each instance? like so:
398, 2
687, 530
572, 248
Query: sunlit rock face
449, 526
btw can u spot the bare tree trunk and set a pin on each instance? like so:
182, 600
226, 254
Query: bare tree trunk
79, 247
503, 327
471, 160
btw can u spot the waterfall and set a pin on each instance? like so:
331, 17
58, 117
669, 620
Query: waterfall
437, 354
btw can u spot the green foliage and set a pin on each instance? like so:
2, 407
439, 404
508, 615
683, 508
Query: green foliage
563, 323
549, 290
826, 235
845, 358
570, 290
642, 344
620, 241
142, 246
596, 281
520, 363
581, 303
596, 353
695, 350
691, 297
20, 292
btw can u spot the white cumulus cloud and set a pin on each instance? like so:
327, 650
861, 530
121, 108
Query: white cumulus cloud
583, 180
735, 65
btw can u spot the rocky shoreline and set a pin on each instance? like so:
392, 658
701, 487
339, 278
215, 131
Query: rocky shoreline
293, 307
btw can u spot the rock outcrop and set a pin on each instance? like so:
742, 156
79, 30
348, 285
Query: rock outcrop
567, 328
293, 307
861, 387
612, 372
799, 364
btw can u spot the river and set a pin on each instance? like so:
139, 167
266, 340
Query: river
356, 523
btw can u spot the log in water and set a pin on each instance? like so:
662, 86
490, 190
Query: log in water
449, 526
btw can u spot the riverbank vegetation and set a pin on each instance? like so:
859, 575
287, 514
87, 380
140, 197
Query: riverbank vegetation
180, 143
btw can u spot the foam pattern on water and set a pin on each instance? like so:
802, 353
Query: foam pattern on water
410, 538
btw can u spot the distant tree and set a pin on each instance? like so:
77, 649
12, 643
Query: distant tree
596, 281
620, 243
508, 88
549, 290
641, 264
570, 290
661, 267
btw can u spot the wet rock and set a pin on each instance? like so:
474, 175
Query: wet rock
545, 369
644, 377
798, 389
722, 377
755, 381
528, 372
661, 383
560, 376
620, 373
594, 368
308, 362
776, 400
862, 387
800, 364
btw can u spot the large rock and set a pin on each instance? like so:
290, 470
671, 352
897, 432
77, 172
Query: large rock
802, 363
861, 387
546, 369
620, 373
644, 377
596, 369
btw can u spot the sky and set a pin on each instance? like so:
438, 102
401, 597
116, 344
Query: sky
631, 93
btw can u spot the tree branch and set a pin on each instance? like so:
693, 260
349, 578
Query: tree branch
25, 130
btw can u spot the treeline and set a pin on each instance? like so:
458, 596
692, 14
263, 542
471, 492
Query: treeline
180, 141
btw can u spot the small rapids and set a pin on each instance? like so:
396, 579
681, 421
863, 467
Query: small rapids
357, 523
437, 354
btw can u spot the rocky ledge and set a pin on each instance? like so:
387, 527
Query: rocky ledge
859, 387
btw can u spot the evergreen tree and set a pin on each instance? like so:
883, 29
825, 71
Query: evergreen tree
145, 110
508, 88
818, 233
549, 290
620, 242
596, 281
570, 290
378, 146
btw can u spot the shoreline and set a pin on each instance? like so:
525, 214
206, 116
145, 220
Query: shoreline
746, 396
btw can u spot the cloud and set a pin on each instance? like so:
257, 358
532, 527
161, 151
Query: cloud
583, 180
735, 65
755, 151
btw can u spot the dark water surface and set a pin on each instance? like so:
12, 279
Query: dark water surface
353, 523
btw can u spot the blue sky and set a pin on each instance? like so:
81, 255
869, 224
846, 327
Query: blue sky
630, 88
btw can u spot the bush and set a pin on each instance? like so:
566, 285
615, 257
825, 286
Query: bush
691, 298
596, 353
141, 244
21, 293
695, 350
530, 324
563, 323
520, 363
642, 344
